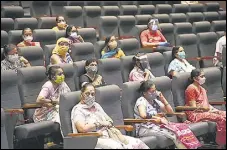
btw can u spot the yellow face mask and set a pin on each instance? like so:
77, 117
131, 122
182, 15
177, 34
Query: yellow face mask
63, 50
59, 79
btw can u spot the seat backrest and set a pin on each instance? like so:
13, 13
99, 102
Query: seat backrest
177, 17
182, 28
60, 33
98, 48
163, 9
46, 22
189, 43
44, 36
206, 46
69, 72
127, 2
180, 8
220, 34
173, 2
40, 8
34, 54
196, 7
4, 141
10, 3
56, 7
126, 25
109, 97
128, 10
74, 15
88, 34
7, 24
30, 82
137, 31
146, 9
4, 38
210, 16
110, 70
76, 3
218, 26
167, 30
224, 56
10, 97
93, 3
222, 15
162, 18
82, 51
111, 10
224, 81
91, 16
194, 17
156, 2
108, 26
47, 53
22, 23
110, 3
179, 85
168, 58
212, 6
12, 12
79, 67
199, 27
126, 67
142, 19
157, 62
129, 46
2, 55
15, 36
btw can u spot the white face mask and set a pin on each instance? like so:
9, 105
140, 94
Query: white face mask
74, 35
28, 38
89, 101
13, 58
202, 81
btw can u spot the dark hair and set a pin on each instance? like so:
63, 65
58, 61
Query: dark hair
52, 71
83, 88
107, 40
7, 48
174, 51
137, 55
25, 30
194, 73
89, 61
146, 85
68, 30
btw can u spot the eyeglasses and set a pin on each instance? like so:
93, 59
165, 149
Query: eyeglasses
60, 21
63, 44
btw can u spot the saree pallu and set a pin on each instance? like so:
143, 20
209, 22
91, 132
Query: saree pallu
183, 134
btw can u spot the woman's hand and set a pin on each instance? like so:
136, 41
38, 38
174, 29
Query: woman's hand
106, 123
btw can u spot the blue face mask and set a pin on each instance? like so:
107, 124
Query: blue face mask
181, 55
154, 28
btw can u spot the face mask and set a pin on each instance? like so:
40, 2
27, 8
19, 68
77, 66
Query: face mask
63, 50
154, 28
28, 38
152, 96
92, 69
59, 79
62, 24
112, 45
74, 35
89, 101
181, 55
202, 81
13, 58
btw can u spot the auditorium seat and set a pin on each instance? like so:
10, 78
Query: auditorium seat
218, 26
12, 12
182, 28
126, 67
163, 9
128, 10
91, 16
22, 23
162, 18
74, 15
110, 10
127, 3
137, 31
4, 38
10, 3
126, 25
180, 8
167, 30
168, 58
224, 80
142, 19
196, 7
4, 140
110, 3
194, 17
202, 26
88, 34
7, 24
44, 36
47, 50
211, 6
46, 22
211, 16
98, 46
146, 9
40, 8
15, 36
222, 15
129, 46
93, 3
76, 3
156, 2
56, 7
177, 17
79, 67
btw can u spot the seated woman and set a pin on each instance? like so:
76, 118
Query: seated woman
111, 49
147, 106
88, 116
60, 53
179, 63
61, 24
12, 61
141, 70
28, 37
153, 38
91, 75
196, 96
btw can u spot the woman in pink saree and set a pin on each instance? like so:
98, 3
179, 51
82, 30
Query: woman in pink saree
148, 106
196, 96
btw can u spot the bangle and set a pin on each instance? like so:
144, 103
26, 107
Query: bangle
166, 104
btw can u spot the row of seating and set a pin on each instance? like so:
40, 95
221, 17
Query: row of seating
28, 82
93, 21
56, 8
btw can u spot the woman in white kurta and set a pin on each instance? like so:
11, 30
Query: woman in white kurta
88, 116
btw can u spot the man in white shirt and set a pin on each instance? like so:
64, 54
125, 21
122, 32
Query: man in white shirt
218, 52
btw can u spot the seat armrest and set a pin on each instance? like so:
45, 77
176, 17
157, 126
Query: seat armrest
217, 103
125, 127
97, 134
156, 121
18, 111
171, 114
189, 108
80, 142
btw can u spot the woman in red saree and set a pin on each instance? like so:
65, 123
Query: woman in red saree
196, 96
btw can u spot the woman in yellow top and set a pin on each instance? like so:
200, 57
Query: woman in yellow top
111, 50
61, 24
60, 53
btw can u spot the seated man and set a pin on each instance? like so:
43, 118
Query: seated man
153, 38
218, 52
141, 70
27, 36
